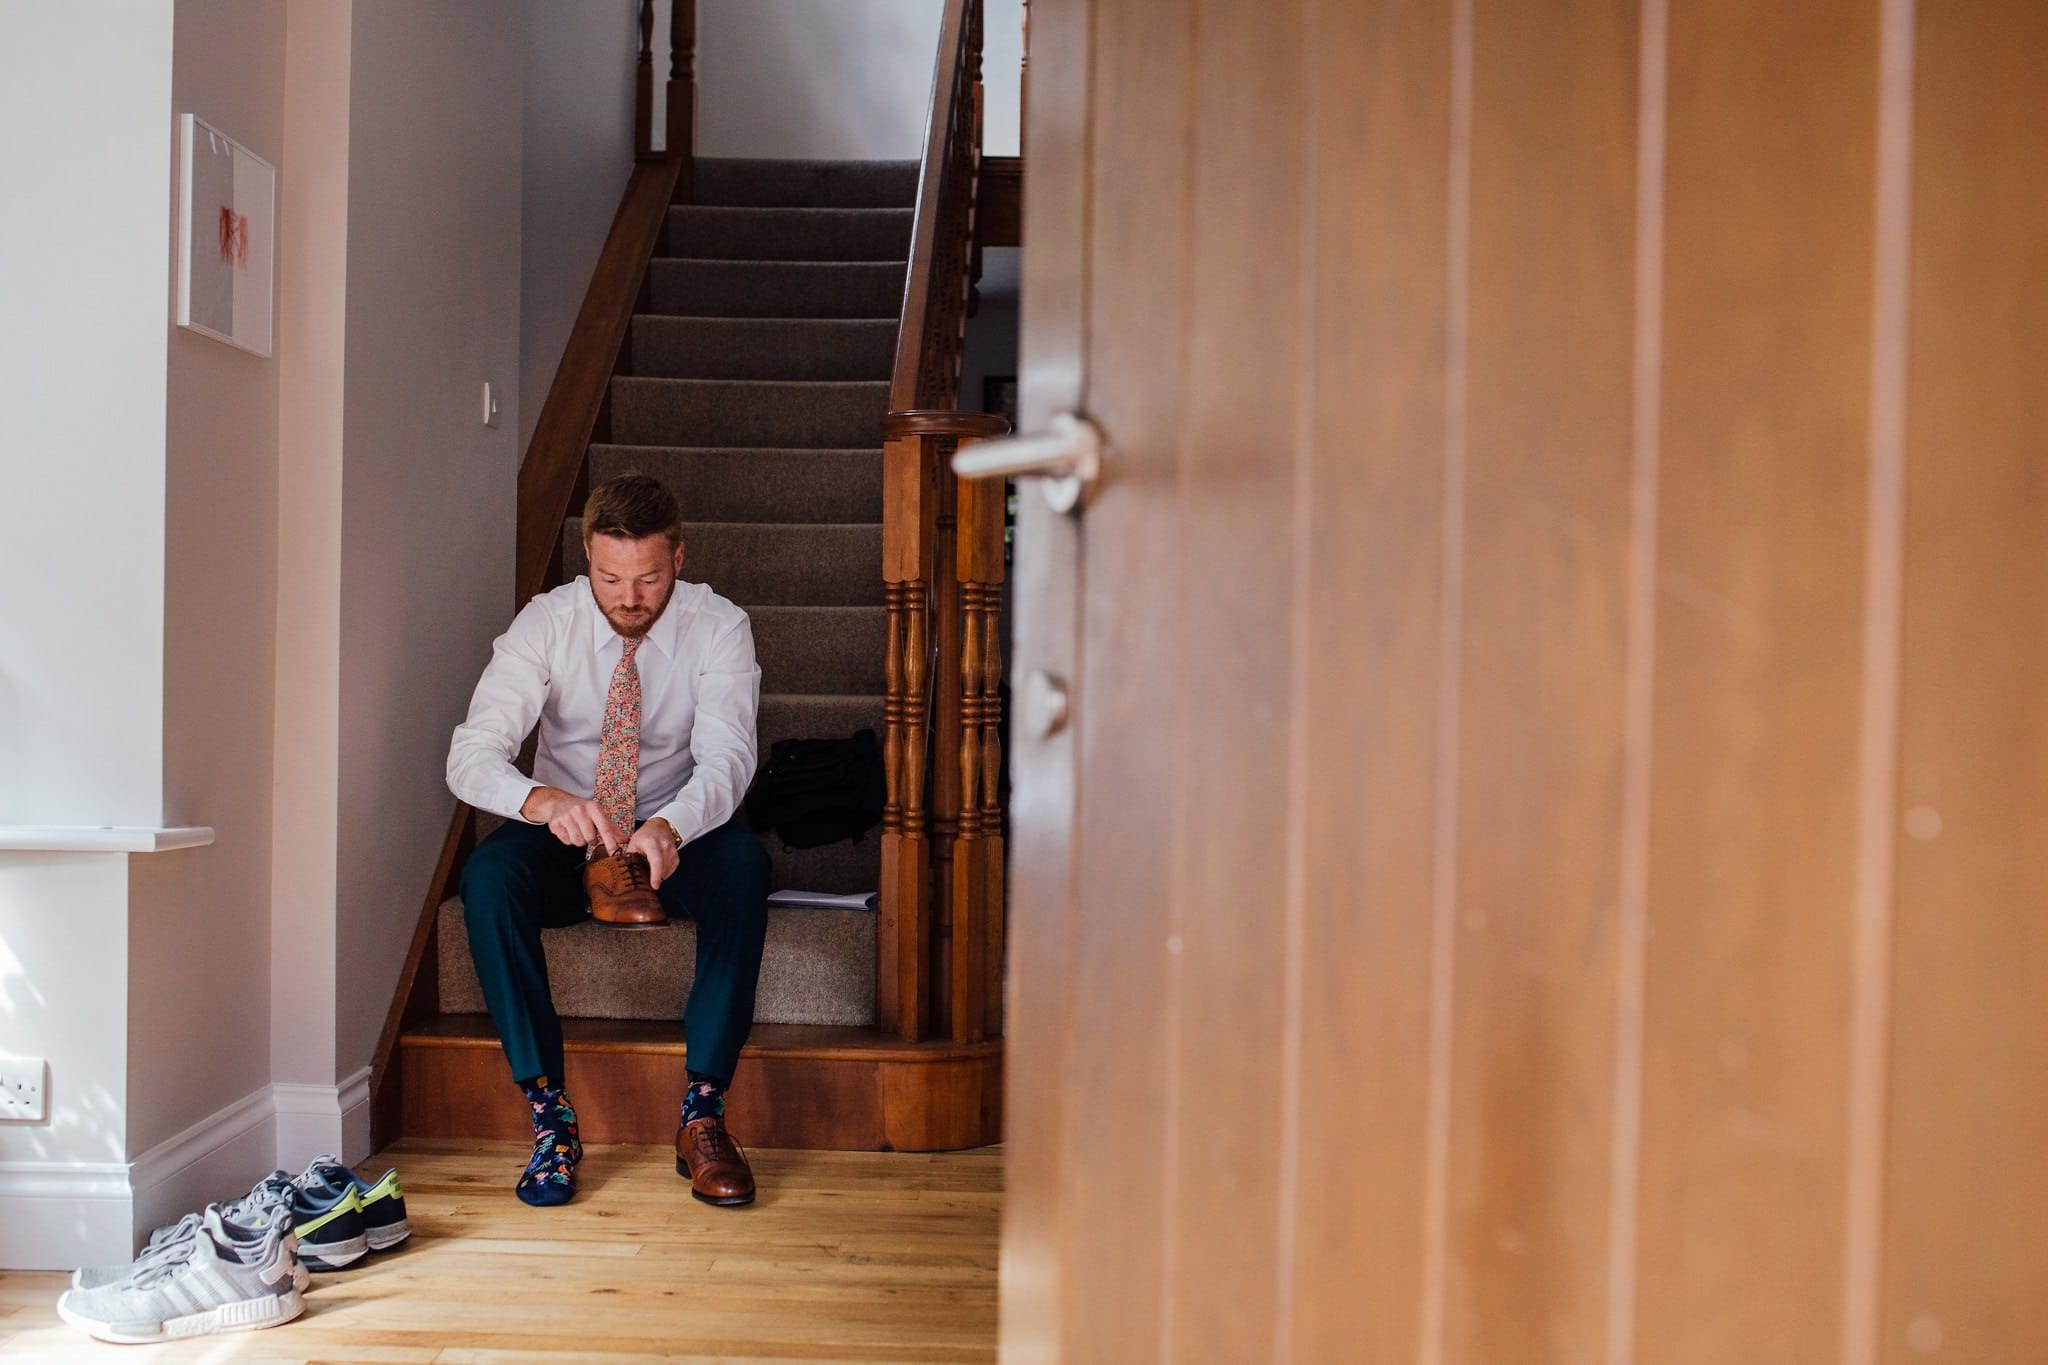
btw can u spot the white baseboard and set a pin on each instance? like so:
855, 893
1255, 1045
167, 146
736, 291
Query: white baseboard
317, 1119
218, 1157
56, 1215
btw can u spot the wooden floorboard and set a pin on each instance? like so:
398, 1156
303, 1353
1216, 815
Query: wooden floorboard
846, 1256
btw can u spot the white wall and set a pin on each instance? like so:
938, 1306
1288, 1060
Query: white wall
814, 78
428, 490
1002, 56
63, 978
313, 282
82, 413
202, 917
578, 122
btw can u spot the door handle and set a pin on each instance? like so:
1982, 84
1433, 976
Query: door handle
1067, 455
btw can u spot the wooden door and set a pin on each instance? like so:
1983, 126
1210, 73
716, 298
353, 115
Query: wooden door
1544, 859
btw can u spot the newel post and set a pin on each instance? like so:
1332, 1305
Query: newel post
976, 949
902, 978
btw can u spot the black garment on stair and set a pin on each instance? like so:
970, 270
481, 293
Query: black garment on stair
814, 792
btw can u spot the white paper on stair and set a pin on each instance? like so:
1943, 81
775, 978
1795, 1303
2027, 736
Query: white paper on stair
825, 900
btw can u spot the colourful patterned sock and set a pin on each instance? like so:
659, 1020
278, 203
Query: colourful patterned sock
704, 1099
550, 1175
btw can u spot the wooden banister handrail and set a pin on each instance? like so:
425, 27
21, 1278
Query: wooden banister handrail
914, 339
978, 426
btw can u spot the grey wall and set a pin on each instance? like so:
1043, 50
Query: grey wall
578, 59
814, 78
428, 490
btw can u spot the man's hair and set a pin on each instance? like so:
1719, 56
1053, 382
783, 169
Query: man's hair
632, 506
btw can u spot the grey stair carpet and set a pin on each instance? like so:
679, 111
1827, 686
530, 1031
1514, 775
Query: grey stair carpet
821, 649
754, 388
726, 232
838, 414
819, 968
776, 289
765, 485
742, 181
763, 348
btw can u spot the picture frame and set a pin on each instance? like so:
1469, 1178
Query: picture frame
227, 238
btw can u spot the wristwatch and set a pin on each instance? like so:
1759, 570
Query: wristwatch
673, 833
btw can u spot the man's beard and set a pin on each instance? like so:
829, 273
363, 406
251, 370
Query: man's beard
632, 626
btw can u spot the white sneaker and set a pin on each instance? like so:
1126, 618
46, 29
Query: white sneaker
238, 1222
208, 1282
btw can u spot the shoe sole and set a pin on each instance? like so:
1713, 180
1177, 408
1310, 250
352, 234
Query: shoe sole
729, 1201
248, 1315
388, 1236
323, 1256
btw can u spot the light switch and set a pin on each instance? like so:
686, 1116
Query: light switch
490, 406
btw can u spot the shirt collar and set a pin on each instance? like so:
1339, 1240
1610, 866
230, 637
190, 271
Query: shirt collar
665, 635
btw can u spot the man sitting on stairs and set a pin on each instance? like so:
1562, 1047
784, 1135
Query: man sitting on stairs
645, 689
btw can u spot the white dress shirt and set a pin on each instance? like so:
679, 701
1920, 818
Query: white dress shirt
699, 691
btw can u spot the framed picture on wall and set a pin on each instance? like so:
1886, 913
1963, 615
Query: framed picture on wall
227, 217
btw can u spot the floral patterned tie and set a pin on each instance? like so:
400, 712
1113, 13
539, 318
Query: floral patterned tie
618, 747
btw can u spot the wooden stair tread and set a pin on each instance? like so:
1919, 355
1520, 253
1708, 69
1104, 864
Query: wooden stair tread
799, 1085
820, 1041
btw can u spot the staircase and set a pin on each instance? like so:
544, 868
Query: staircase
755, 379
779, 342
752, 383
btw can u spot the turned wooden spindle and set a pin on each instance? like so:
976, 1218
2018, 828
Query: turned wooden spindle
643, 87
682, 96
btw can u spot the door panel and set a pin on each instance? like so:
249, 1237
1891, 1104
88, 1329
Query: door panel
1123, 1073
1544, 864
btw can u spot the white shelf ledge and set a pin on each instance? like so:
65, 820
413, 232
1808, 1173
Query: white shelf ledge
100, 838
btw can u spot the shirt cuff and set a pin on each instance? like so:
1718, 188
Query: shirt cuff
512, 798
688, 824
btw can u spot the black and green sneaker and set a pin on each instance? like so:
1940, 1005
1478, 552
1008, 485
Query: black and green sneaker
327, 1221
382, 1201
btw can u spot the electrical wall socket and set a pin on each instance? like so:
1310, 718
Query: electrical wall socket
22, 1088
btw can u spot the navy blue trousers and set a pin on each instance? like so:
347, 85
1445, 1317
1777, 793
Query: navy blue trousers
522, 879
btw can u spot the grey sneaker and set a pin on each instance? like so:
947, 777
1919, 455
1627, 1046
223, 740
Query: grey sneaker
208, 1282
240, 1222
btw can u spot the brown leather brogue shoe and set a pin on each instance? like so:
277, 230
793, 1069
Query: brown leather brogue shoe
716, 1166
621, 893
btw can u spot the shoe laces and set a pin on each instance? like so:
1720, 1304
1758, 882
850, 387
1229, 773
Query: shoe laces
266, 1198
637, 873
157, 1266
176, 1232
713, 1142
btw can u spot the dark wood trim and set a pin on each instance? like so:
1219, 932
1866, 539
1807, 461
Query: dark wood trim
643, 87
681, 145
419, 982
912, 341
561, 439
847, 1089
999, 210
930, 422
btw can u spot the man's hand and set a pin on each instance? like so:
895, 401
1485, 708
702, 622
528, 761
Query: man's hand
576, 820
656, 840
